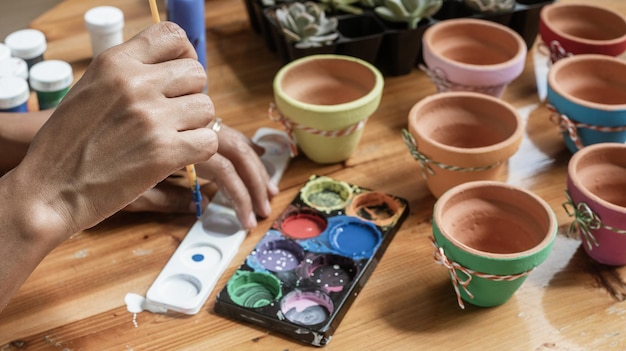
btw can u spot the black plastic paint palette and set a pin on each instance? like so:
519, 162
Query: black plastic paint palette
307, 269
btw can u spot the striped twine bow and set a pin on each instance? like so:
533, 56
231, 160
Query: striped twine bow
566, 125
453, 267
555, 50
276, 116
425, 161
585, 220
439, 77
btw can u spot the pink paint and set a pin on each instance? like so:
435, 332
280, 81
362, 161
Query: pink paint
303, 225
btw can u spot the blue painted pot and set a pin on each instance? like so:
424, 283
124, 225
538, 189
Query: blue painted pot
588, 94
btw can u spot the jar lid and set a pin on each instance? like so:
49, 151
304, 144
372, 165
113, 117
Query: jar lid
5, 51
13, 92
51, 75
26, 43
104, 19
13, 66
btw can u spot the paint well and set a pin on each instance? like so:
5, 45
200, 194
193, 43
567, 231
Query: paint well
303, 225
307, 308
355, 238
253, 289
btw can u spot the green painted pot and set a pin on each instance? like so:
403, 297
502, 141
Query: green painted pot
491, 235
325, 100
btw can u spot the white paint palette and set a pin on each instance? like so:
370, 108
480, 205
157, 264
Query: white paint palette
190, 275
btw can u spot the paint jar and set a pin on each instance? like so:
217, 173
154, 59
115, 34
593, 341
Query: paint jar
51, 80
307, 307
14, 67
5, 51
353, 237
253, 289
105, 25
302, 223
326, 194
14, 94
28, 44
329, 272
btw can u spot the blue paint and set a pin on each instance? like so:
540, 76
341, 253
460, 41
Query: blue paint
354, 237
197, 257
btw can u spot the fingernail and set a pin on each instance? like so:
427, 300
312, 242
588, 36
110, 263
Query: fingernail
272, 188
252, 221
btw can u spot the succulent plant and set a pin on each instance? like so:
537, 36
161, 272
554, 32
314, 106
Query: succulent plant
306, 24
409, 11
490, 6
342, 5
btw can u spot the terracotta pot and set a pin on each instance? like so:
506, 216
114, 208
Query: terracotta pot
576, 28
588, 93
473, 55
490, 235
325, 100
462, 136
597, 188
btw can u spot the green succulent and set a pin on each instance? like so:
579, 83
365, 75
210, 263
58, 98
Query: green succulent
306, 24
342, 5
409, 11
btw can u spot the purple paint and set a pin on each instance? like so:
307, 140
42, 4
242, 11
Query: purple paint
280, 255
331, 273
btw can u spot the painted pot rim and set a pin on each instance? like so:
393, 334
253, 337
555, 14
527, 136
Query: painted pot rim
500, 151
592, 151
373, 94
593, 60
547, 30
480, 188
515, 63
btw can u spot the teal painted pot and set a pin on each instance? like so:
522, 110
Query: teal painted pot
588, 94
491, 235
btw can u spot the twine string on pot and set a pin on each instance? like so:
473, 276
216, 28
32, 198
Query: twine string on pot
555, 51
276, 116
425, 161
454, 267
570, 127
585, 220
439, 77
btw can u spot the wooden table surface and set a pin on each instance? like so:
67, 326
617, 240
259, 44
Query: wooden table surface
75, 298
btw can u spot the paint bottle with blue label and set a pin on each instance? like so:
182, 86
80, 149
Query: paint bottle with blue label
189, 15
27, 44
51, 80
14, 94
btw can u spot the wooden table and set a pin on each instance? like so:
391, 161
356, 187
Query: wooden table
75, 298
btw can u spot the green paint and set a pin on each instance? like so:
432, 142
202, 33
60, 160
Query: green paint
253, 289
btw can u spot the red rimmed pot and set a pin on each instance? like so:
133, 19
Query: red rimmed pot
459, 137
576, 28
596, 186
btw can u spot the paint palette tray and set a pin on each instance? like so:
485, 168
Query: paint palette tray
305, 272
191, 273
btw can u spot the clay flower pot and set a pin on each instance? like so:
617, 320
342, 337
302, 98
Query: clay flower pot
575, 28
459, 137
473, 55
324, 102
597, 199
490, 236
588, 94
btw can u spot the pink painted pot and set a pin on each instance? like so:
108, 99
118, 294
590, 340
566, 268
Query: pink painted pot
597, 187
575, 28
459, 137
473, 55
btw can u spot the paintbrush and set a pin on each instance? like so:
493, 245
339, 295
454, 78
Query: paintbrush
191, 169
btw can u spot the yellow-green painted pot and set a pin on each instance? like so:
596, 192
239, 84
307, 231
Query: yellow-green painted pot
325, 101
